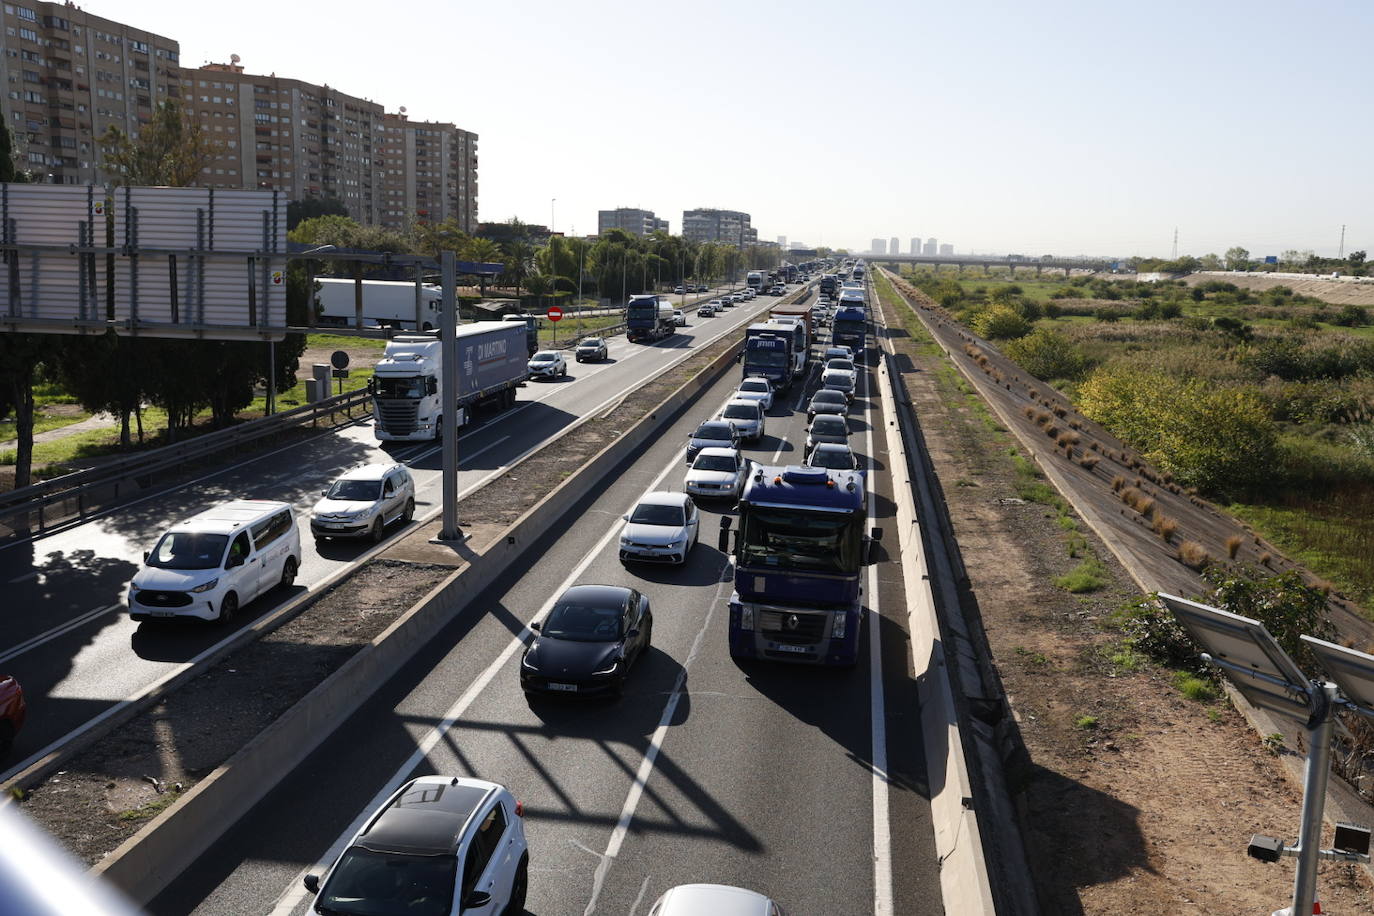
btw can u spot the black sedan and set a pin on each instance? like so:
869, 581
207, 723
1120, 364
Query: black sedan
588, 643
827, 400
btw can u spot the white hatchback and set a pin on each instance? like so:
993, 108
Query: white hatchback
756, 388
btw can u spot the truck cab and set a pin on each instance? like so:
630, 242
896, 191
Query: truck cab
768, 354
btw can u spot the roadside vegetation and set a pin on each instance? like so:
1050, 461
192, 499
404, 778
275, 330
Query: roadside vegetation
1263, 401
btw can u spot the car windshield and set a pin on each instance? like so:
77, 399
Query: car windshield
363, 491
827, 398
188, 550
741, 412
829, 426
412, 386
650, 514
840, 363
835, 458
544, 357
716, 463
838, 378
760, 387
390, 884
795, 539
715, 431
583, 623
592, 342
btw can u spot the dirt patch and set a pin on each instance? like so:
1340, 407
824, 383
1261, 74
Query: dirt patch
1337, 292
112, 789
1134, 799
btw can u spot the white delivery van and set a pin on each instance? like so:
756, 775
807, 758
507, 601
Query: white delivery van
216, 562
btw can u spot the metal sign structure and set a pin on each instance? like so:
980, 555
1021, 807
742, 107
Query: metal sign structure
1268, 678
187, 262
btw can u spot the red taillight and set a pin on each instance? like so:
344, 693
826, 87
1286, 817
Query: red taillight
519, 809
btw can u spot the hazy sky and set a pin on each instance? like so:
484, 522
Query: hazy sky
1031, 127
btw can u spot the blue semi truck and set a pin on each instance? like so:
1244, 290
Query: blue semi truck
768, 353
649, 318
799, 556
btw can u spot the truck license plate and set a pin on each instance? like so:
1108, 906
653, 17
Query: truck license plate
570, 688
782, 647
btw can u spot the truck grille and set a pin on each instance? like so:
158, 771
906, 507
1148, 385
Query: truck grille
397, 417
796, 627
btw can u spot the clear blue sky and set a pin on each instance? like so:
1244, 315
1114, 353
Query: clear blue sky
1031, 127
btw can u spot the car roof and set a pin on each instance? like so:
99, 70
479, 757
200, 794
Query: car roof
830, 416
666, 497
754, 378
369, 472
713, 424
733, 401
716, 899
590, 340
597, 595
229, 516
832, 446
719, 452
827, 394
544, 353
428, 816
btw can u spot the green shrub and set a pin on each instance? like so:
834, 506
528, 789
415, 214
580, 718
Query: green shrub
1087, 576
1352, 316
1109, 314
1150, 629
1195, 688
1048, 354
1052, 310
1001, 322
1286, 605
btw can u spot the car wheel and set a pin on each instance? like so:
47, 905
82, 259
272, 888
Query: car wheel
519, 888
288, 572
410, 511
228, 608
376, 532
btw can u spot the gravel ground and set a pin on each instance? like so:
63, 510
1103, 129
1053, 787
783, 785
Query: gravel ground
113, 788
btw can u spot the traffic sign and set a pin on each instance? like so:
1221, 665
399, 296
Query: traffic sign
339, 359
554, 313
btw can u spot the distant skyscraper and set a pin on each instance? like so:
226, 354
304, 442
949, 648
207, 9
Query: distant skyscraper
894, 246
782, 242
915, 245
946, 250
929, 248
877, 246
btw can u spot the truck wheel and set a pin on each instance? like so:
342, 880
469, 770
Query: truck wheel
439, 430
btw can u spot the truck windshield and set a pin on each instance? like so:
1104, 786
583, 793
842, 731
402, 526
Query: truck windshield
188, 550
848, 326
636, 312
387, 883
801, 540
411, 386
769, 359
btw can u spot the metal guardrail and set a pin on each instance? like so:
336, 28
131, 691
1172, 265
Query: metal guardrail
56, 503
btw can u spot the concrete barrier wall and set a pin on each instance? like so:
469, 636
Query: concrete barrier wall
145, 863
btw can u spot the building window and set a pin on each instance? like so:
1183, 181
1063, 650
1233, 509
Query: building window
29, 35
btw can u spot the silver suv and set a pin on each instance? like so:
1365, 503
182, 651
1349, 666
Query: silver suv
363, 502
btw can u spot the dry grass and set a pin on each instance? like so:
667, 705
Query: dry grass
1117, 483
1165, 527
1033, 394
1130, 496
1029, 411
1145, 506
1089, 461
1266, 558
1059, 411
1233, 545
1193, 554
1052, 431
1041, 418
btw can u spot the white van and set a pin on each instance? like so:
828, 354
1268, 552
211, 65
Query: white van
214, 563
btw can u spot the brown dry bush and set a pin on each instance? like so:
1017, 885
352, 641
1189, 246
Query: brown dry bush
1145, 506
1064, 441
1059, 411
1233, 545
1051, 430
1165, 527
1117, 483
1041, 418
1029, 411
1089, 461
1129, 496
1193, 554
1075, 438
1074, 424
1033, 394
1094, 446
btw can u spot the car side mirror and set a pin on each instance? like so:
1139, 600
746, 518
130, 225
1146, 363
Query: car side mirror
324, 492
536, 626
476, 900
876, 534
723, 543
312, 883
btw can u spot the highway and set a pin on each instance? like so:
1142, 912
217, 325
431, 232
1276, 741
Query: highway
803, 783
77, 654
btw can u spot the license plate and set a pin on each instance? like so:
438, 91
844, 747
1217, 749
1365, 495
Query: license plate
163, 613
335, 525
800, 650
570, 688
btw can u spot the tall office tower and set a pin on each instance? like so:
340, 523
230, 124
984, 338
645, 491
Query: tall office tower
915, 245
877, 246
930, 248
894, 246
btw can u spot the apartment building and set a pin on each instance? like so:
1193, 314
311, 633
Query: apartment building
69, 76
710, 225
428, 171
632, 220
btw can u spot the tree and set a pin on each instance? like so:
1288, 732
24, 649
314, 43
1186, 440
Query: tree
1047, 354
1001, 322
1237, 258
1357, 258
170, 150
21, 355
1209, 262
309, 207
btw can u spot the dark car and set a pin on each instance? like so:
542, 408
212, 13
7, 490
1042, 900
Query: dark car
590, 348
712, 434
827, 400
588, 643
12, 710
826, 427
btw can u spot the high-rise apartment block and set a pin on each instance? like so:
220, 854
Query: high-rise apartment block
946, 250
632, 220
915, 245
929, 248
782, 242
894, 246
877, 246
69, 76
710, 225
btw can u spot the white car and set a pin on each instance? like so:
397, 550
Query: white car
717, 472
716, 304
841, 352
713, 900
548, 364
840, 362
663, 527
679, 291
756, 388
441, 844
746, 417
363, 502
679, 318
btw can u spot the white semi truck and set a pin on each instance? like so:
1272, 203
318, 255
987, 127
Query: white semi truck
386, 303
407, 383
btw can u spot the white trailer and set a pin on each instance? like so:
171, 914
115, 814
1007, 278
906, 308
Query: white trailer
386, 303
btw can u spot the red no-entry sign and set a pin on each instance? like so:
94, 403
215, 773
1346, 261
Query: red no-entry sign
554, 313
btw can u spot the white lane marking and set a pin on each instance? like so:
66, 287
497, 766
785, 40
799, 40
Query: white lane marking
295, 893
56, 632
882, 830
646, 766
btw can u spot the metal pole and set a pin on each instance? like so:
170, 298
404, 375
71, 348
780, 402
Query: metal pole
1314, 798
271, 376
448, 351
419, 321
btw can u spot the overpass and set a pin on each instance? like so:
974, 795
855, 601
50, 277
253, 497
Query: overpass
987, 262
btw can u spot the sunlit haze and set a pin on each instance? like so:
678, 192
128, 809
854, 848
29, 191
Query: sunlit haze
1034, 128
